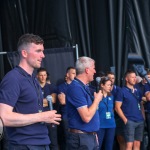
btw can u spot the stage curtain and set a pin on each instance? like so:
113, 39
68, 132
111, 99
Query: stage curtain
56, 62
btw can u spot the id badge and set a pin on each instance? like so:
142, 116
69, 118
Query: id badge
108, 115
139, 106
40, 111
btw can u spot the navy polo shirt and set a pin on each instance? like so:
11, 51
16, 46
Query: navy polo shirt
78, 96
130, 104
22, 91
147, 104
48, 89
141, 88
115, 90
63, 88
106, 105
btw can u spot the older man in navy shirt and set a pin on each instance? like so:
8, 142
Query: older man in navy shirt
83, 117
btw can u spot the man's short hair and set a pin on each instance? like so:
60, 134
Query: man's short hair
69, 68
41, 70
27, 39
82, 63
128, 72
110, 72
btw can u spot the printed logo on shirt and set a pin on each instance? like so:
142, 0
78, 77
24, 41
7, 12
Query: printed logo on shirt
109, 98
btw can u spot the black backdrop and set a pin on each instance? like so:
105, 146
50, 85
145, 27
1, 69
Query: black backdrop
56, 62
106, 30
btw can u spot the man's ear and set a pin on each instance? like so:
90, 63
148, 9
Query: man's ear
24, 53
86, 70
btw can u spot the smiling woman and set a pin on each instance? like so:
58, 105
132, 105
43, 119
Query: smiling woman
107, 125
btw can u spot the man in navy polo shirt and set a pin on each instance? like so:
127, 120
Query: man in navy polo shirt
62, 89
129, 107
48, 89
21, 100
82, 108
147, 105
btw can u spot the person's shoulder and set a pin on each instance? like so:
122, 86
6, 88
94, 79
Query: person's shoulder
74, 85
12, 74
62, 84
120, 90
51, 84
11, 78
118, 87
147, 85
123, 88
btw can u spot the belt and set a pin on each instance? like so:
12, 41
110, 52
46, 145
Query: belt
79, 131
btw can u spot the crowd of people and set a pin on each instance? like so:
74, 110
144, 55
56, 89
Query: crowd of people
83, 118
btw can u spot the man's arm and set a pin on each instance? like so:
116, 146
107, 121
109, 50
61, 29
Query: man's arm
142, 109
14, 119
87, 113
147, 95
119, 111
54, 97
62, 98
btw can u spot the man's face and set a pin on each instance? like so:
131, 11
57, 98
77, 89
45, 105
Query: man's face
42, 76
71, 74
91, 71
34, 55
112, 78
131, 79
144, 80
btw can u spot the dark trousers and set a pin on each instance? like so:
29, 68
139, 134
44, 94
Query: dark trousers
81, 141
148, 127
63, 133
53, 136
28, 147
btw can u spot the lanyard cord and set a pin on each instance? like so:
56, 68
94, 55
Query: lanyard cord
106, 103
85, 88
34, 84
133, 94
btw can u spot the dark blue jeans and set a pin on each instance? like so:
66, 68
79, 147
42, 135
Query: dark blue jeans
28, 147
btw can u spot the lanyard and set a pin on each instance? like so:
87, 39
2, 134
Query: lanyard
33, 81
134, 94
86, 88
106, 103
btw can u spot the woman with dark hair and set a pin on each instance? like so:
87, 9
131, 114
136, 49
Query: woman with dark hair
106, 132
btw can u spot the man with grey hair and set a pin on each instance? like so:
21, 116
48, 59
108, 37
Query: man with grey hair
83, 118
21, 100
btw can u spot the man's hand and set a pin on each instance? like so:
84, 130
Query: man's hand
50, 117
147, 95
98, 96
